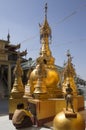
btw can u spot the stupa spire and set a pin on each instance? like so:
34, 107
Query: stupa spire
69, 70
45, 39
8, 37
46, 10
45, 30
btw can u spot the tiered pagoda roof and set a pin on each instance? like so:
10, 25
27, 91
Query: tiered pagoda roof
11, 50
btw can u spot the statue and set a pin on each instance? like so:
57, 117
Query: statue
69, 97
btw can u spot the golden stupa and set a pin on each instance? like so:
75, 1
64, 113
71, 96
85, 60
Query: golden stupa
69, 75
69, 119
17, 92
18, 87
46, 60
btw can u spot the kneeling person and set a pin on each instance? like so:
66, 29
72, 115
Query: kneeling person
22, 118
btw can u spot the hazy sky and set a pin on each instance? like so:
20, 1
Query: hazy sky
67, 19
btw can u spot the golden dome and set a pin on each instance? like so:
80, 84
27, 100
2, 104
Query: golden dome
60, 122
50, 81
52, 78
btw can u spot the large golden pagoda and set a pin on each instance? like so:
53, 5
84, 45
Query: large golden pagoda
46, 60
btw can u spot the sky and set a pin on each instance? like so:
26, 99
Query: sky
67, 19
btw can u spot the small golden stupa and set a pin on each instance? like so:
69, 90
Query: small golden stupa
68, 119
69, 75
46, 61
18, 87
17, 92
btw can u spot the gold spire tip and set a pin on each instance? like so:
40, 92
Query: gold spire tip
46, 10
68, 53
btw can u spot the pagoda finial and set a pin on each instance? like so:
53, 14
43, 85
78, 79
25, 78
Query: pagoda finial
8, 37
46, 10
68, 53
69, 56
45, 30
